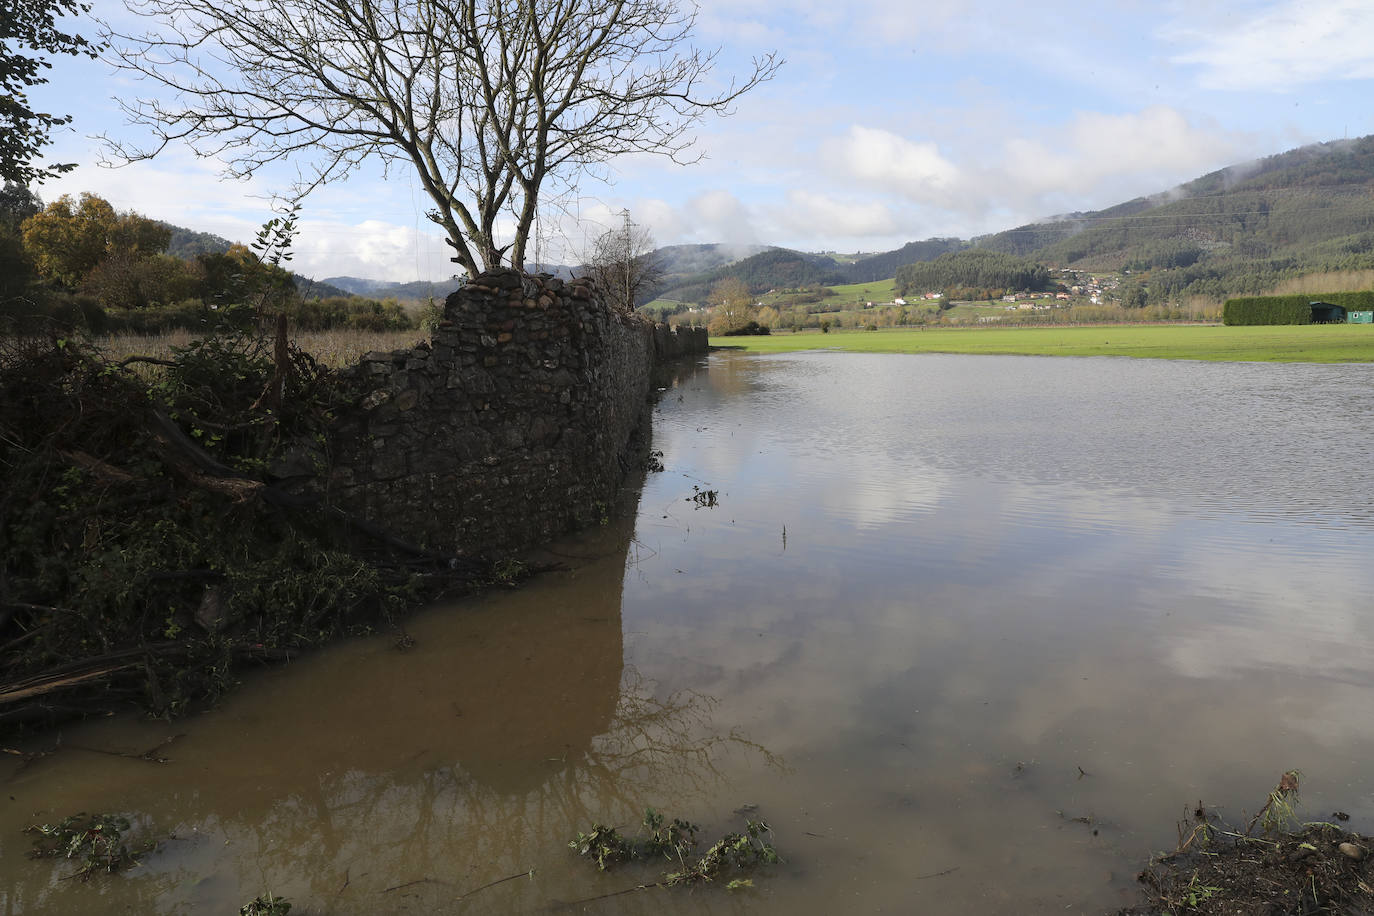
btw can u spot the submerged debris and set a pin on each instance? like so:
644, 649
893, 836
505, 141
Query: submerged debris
96, 841
704, 499
1291, 870
1296, 874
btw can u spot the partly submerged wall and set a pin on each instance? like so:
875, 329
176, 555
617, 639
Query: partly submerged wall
511, 427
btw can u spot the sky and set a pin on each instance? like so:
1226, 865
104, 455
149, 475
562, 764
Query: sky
890, 121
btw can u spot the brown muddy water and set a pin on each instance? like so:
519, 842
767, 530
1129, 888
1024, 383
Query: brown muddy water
946, 609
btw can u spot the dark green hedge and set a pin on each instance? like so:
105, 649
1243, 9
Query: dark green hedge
1267, 310
1294, 309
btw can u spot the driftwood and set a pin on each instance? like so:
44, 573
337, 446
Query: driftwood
85, 671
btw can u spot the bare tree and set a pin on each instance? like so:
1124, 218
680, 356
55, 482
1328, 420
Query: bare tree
487, 100
624, 264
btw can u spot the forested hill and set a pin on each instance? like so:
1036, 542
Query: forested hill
883, 266
773, 268
783, 268
1237, 230
187, 243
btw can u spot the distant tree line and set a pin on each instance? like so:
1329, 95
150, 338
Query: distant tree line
80, 263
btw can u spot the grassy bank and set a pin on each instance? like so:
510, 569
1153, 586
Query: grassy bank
1308, 344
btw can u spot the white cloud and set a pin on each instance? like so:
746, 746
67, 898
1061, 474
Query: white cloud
819, 216
1156, 146
371, 248
879, 158
719, 216
1288, 45
1093, 159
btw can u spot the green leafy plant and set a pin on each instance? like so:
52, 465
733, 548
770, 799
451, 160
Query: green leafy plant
94, 840
669, 839
1198, 892
605, 845
508, 571
732, 852
675, 840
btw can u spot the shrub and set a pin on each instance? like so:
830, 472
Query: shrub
1253, 310
750, 329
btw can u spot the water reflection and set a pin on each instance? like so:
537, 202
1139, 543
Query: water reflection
1013, 592
474, 756
1132, 571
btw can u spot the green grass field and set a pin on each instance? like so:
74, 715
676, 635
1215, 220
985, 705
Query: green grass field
1339, 343
881, 291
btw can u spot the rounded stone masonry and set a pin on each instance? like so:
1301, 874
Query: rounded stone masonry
511, 426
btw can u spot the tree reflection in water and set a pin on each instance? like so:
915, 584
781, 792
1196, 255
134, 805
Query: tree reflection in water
451, 829
423, 831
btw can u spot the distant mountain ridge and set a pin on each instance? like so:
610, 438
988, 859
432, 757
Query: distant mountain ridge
1238, 230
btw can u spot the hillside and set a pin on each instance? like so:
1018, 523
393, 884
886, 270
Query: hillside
884, 266
187, 243
783, 268
772, 268
1237, 230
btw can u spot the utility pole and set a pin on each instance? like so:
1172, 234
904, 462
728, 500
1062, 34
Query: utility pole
629, 253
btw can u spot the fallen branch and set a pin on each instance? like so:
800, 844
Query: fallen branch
398, 887
102, 469
523, 874
150, 360
628, 890
151, 754
85, 671
41, 686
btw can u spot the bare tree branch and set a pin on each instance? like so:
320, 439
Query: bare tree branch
624, 264
485, 100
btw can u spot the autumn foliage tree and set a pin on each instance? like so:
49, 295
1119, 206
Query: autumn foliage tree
732, 306
68, 239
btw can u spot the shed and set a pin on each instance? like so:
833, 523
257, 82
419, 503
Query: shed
1326, 313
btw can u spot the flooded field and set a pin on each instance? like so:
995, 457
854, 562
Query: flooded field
970, 633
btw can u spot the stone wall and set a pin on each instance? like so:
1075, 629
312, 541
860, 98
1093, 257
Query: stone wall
510, 427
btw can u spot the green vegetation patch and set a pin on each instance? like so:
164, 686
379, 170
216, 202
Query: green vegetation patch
1333, 343
676, 841
879, 291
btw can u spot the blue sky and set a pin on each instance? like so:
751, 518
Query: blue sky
890, 121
